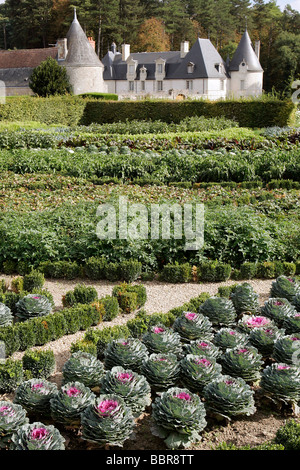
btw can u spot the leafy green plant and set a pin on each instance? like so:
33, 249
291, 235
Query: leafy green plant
219, 310
229, 397
203, 347
11, 375
40, 363
160, 339
12, 417
191, 326
288, 435
95, 268
34, 395
291, 323
286, 287
33, 280
281, 382
49, 79
6, 316
108, 421
178, 417
37, 436
162, 371
247, 323
128, 353
80, 295
33, 305
132, 387
69, 402
230, 338
245, 299
242, 362
285, 348
263, 339
198, 371
176, 273
277, 309
85, 368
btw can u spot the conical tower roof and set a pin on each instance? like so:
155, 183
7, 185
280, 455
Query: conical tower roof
245, 52
80, 51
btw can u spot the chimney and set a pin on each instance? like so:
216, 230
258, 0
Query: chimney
184, 49
92, 43
113, 48
125, 52
257, 48
62, 47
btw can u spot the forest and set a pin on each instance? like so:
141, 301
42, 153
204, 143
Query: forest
161, 25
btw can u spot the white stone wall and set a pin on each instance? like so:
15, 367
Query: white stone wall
86, 80
245, 84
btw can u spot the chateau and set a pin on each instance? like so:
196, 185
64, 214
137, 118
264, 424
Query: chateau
196, 72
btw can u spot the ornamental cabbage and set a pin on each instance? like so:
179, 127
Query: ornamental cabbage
281, 382
245, 299
33, 305
263, 339
160, 339
229, 397
229, 338
108, 421
291, 323
178, 417
242, 362
286, 287
6, 316
128, 353
69, 402
85, 368
191, 326
161, 371
198, 371
203, 347
37, 436
12, 417
296, 302
277, 309
219, 310
35, 395
287, 349
132, 387
247, 323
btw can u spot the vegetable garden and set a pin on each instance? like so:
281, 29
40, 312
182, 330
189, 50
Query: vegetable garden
213, 361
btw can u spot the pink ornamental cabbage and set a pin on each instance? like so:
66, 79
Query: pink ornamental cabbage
106, 407
38, 433
183, 396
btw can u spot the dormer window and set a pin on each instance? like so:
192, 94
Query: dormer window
219, 68
190, 67
131, 69
160, 69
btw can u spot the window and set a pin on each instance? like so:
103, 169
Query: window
131, 86
189, 85
190, 68
242, 84
222, 85
143, 86
131, 69
159, 68
159, 85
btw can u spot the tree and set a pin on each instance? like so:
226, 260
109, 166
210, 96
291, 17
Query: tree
49, 79
152, 36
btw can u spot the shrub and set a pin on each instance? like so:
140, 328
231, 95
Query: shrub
191, 326
11, 375
176, 273
80, 295
214, 271
198, 371
33, 280
285, 268
49, 78
33, 305
60, 269
128, 353
9, 340
288, 435
248, 270
162, 371
178, 417
69, 402
266, 270
227, 338
130, 270
41, 364
12, 417
132, 387
130, 297
160, 339
286, 349
229, 397
85, 368
111, 307
94, 268
108, 421
245, 299
17, 284
34, 395
85, 346
286, 287
112, 272
242, 362
102, 338
281, 382
219, 310
37, 436
26, 335
6, 316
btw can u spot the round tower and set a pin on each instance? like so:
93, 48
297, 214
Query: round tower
246, 73
84, 68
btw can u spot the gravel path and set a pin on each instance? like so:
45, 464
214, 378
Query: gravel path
160, 298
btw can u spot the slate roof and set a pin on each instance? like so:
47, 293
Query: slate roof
80, 51
245, 51
202, 54
25, 57
16, 77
